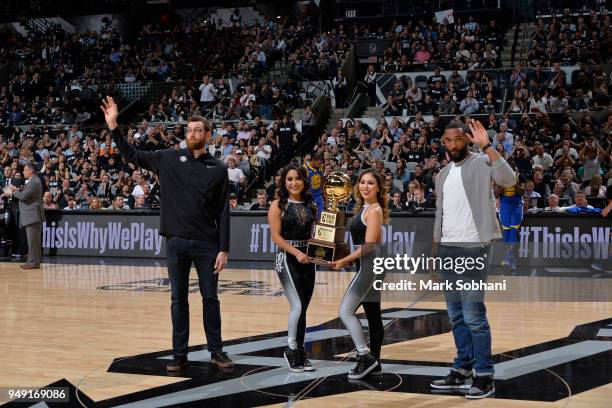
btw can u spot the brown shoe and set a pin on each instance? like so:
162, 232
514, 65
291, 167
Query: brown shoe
30, 266
221, 359
177, 365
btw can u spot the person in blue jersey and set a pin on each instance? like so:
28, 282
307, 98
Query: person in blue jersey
511, 208
315, 179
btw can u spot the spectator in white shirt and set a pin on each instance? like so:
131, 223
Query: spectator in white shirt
542, 158
537, 103
415, 93
244, 132
207, 95
553, 203
235, 175
469, 105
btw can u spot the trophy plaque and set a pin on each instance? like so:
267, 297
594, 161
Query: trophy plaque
327, 242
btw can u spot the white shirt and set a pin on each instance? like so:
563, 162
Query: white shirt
546, 161
263, 152
208, 94
457, 219
243, 134
235, 174
138, 190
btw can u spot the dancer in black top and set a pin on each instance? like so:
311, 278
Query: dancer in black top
291, 217
371, 212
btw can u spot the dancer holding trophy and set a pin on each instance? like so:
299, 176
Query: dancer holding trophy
290, 218
365, 227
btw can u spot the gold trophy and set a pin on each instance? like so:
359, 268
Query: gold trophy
327, 242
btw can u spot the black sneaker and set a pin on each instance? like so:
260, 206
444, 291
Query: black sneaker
177, 365
454, 380
482, 387
294, 360
365, 364
221, 359
377, 370
305, 362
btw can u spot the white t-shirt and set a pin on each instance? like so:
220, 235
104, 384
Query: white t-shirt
457, 219
137, 191
208, 94
263, 152
235, 174
243, 134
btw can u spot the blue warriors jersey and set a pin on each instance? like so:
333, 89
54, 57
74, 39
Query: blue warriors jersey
315, 177
510, 198
511, 212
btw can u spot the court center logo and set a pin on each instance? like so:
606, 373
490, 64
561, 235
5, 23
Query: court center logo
563, 367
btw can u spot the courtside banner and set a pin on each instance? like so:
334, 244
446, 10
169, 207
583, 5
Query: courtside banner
103, 233
553, 237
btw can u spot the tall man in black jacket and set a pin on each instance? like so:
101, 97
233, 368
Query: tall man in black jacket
195, 222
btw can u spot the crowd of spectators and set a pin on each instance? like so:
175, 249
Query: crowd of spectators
567, 159
571, 39
551, 91
458, 45
81, 167
54, 100
249, 98
477, 93
62, 75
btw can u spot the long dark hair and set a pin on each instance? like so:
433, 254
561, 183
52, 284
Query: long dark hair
283, 193
381, 196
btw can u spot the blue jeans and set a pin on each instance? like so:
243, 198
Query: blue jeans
468, 314
181, 253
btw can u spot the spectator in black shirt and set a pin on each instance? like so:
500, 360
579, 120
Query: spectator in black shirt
395, 204
413, 154
391, 108
287, 135
436, 77
261, 204
428, 106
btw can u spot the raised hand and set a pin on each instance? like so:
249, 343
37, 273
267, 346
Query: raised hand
479, 134
110, 110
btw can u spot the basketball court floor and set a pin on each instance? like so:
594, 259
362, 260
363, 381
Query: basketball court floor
104, 330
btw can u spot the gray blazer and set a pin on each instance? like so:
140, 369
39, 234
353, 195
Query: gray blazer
30, 202
476, 174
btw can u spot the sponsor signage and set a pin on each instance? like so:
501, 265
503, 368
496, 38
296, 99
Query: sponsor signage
137, 235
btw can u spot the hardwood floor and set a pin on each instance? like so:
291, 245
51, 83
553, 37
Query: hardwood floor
72, 321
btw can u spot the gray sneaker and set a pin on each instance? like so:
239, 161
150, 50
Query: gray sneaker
482, 387
455, 380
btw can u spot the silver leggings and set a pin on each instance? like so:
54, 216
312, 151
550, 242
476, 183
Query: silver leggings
355, 294
298, 284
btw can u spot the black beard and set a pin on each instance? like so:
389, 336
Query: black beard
459, 155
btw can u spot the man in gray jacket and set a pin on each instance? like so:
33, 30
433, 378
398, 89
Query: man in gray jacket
31, 214
464, 227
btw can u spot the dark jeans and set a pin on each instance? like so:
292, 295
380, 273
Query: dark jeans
181, 253
468, 314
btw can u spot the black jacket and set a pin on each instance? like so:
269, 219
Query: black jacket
194, 192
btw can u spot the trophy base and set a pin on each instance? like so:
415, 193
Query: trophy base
324, 253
